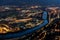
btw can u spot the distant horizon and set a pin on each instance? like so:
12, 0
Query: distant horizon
30, 2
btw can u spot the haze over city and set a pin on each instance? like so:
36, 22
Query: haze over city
31, 2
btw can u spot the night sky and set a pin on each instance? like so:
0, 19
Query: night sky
30, 2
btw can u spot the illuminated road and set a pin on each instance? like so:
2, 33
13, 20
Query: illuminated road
28, 31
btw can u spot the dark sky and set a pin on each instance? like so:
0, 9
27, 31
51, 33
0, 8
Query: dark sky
30, 2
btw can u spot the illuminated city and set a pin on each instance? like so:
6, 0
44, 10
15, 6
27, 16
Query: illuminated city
29, 22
